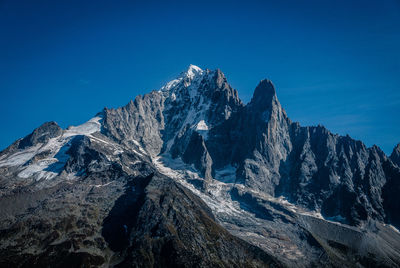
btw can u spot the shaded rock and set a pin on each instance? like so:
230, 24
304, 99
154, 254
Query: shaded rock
395, 156
174, 228
41, 135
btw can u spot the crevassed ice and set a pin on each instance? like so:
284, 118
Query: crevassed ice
49, 166
19, 158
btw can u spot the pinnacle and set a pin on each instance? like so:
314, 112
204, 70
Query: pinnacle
264, 93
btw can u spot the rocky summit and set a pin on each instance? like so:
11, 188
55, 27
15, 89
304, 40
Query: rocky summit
190, 176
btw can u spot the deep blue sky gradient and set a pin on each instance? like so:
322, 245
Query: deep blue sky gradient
335, 63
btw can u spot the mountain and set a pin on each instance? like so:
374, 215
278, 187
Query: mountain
188, 176
395, 156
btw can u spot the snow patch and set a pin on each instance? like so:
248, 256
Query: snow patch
193, 70
201, 125
193, 73
393, 228
51, 164
101, 185
91, 126
170, 84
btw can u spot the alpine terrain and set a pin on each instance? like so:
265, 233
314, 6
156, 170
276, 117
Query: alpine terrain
190, 176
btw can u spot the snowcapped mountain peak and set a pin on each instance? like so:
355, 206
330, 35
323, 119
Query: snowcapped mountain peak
305, 196
193, 72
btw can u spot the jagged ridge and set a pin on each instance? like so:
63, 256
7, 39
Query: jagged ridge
240, 159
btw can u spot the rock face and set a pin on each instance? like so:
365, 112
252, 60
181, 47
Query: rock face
395, 156
41, 134
190, 176
119, 212
170, 120
175, 228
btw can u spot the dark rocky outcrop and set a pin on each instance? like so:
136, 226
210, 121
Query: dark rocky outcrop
41, 134
395, 156
174, 228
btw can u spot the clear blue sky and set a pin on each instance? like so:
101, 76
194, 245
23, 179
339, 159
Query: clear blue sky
335, 63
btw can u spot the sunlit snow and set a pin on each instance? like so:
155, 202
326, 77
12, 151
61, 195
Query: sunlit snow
54, 152
202, 125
